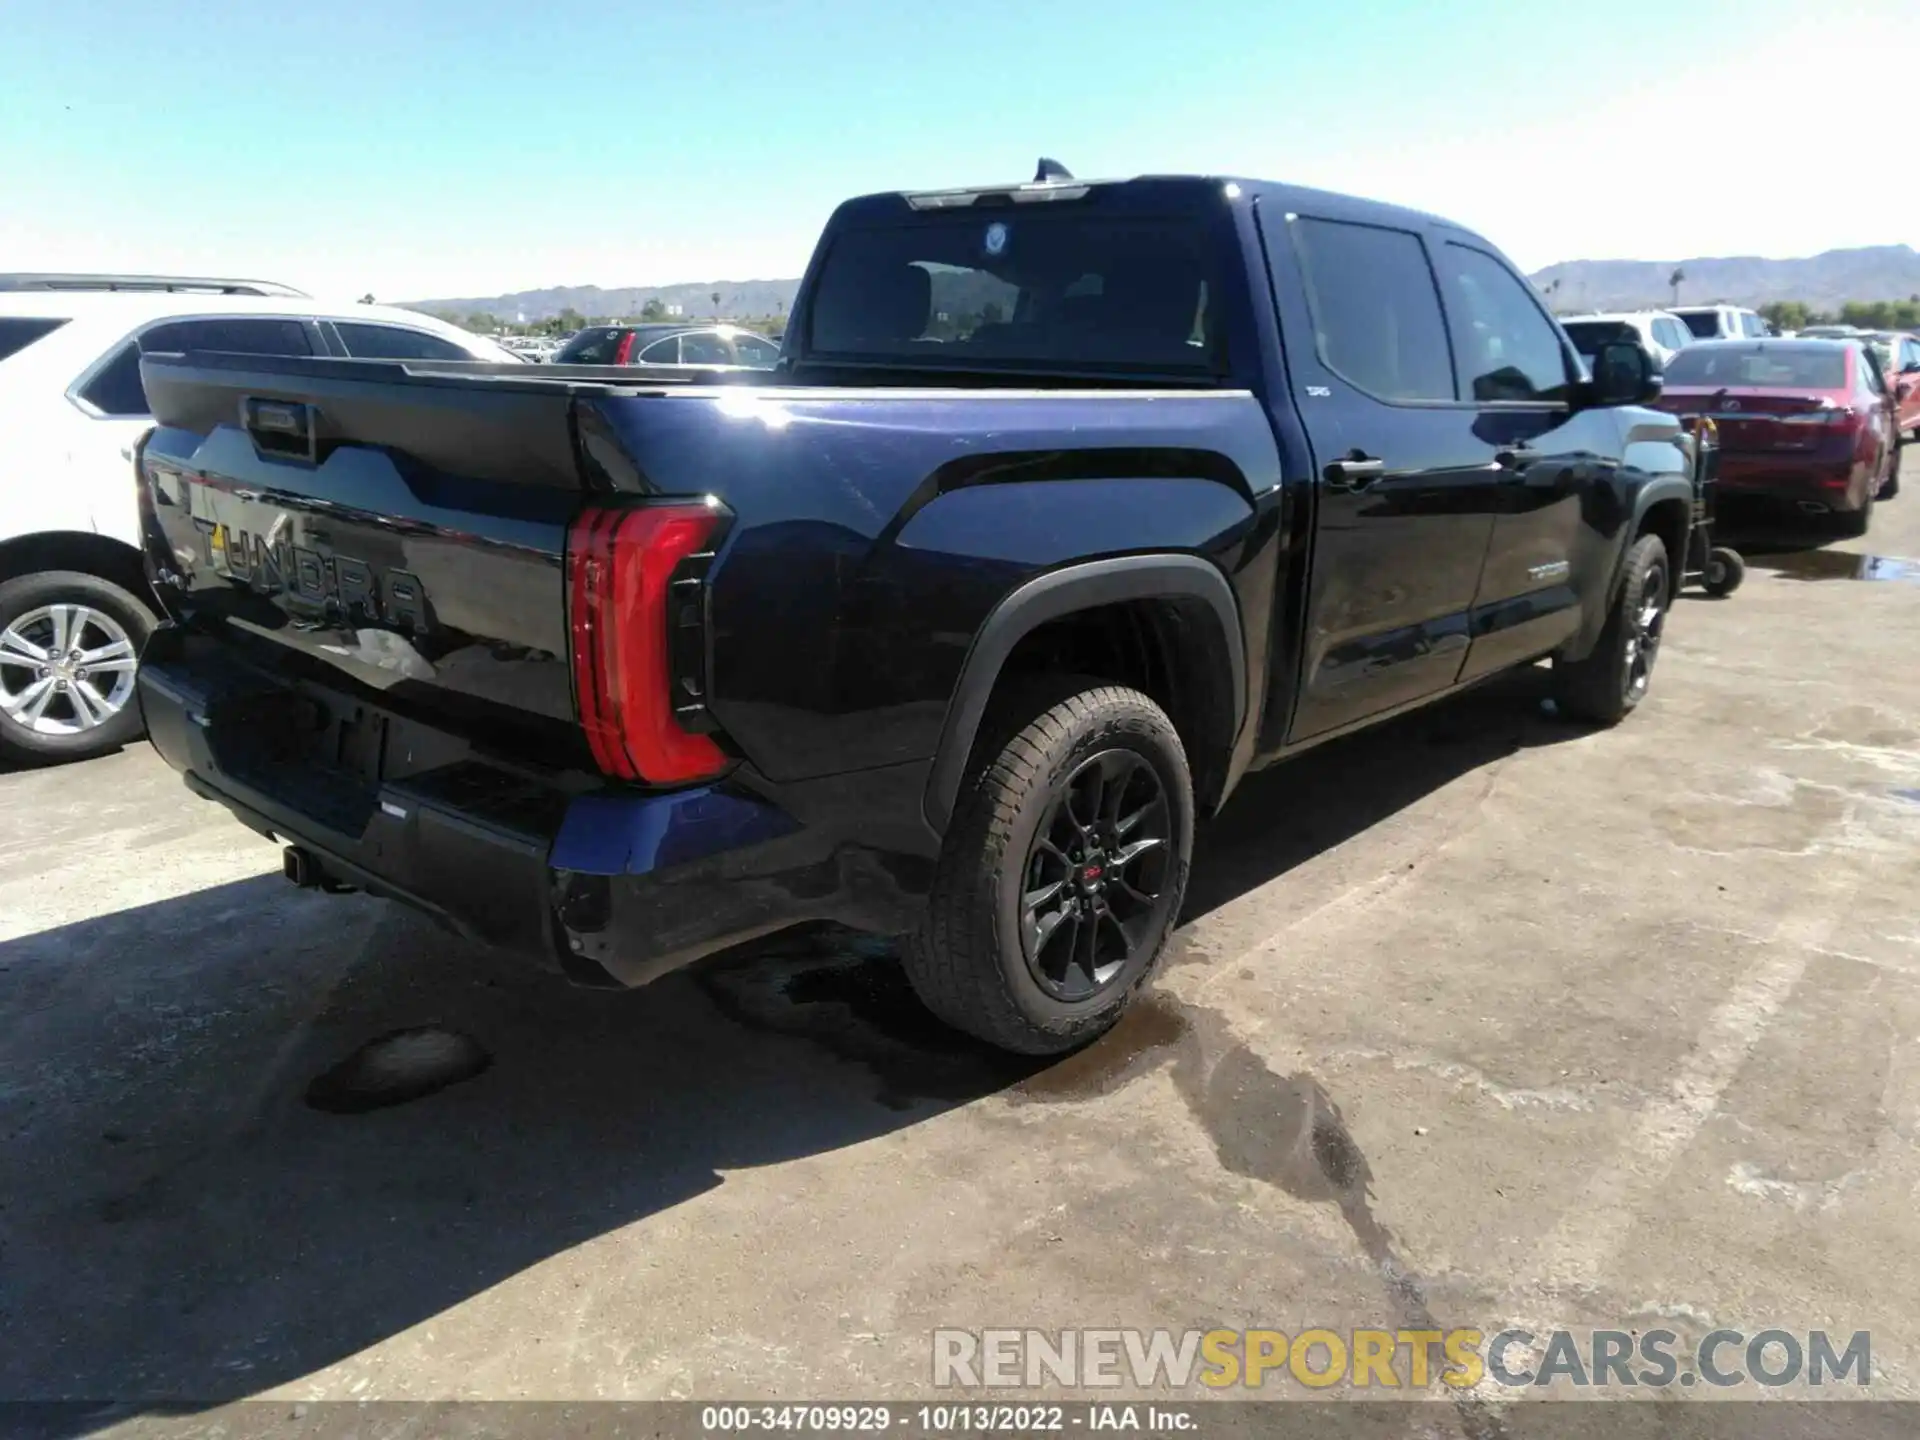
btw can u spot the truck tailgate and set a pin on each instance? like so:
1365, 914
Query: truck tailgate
278, 516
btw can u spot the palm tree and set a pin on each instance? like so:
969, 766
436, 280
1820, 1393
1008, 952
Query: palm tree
1674, 280
716, 304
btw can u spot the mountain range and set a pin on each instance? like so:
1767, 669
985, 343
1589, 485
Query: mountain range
1823, 282
737, 298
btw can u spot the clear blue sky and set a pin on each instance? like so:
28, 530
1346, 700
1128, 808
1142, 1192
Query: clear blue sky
468, 148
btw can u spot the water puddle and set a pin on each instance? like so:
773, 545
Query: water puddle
394, 1069
1838, 565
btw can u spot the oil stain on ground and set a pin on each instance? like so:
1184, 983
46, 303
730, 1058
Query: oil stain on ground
848, 994
396, 1068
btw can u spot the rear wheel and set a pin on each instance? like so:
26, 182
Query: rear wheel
69, 643
1614, 678
1062, 871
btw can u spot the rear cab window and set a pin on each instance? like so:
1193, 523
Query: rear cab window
17, 332
1769, 365
1056, 288
1705, 325
590, 347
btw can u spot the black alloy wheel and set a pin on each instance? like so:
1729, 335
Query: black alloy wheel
1095, 890
1648, 621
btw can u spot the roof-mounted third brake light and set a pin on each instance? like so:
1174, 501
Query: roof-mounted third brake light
1051, 181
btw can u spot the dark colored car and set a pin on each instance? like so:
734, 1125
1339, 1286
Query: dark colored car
1071, 503
669, 345
1804, 423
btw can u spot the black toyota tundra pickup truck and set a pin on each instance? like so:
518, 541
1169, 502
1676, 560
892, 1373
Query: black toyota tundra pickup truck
1068, 504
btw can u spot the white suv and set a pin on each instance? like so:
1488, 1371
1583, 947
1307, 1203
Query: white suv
1723, 322
1661, 333
74, 602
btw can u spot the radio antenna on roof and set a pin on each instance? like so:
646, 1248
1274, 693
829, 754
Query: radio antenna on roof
1049, 170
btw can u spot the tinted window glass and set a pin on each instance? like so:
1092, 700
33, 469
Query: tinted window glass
1376, 314
393, 342
1704, 324
761, 354
1023, 287
1508, 348
1867, 364
597, 346
18, 332
1670, 333
1761, 366
661, 352
115, 390
115, 387
243, 334
1589, 335
705, 348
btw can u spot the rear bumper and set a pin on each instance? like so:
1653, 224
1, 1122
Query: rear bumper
1786, 478
609, 886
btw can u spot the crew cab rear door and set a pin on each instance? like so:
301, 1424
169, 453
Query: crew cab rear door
1405, 488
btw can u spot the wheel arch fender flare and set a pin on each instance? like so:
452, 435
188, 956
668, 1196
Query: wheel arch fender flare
1052, 596
1660, 490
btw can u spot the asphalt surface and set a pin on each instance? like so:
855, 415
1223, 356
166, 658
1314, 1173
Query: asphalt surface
1475, 1018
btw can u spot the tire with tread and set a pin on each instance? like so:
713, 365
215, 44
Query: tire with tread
52, 587
1596, 689
966, 962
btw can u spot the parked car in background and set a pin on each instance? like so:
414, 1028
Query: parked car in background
74, 604
1899, 357
1722, 322
669, 345
1660, 333
1830, 332
1808, 424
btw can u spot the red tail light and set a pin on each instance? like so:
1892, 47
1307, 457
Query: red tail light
619, 565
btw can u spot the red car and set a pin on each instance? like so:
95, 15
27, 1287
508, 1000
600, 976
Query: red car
1807, 422
1899, 357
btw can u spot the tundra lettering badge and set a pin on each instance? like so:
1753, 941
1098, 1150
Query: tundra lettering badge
321, 585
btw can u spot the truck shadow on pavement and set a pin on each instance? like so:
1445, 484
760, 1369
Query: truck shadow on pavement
184, 1228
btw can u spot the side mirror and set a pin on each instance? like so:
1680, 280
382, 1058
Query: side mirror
1624, 374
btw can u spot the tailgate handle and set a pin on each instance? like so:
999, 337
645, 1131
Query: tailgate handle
280, 427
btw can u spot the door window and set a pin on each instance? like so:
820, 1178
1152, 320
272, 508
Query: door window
662, 352
703, 347
394, 342
1868, 366
1376, 314
1508, 348
760, 354
115, 387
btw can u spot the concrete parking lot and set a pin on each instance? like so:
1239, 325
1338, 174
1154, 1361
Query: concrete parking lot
1478, 1018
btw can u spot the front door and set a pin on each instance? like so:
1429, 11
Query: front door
1406, 489
1519, 375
